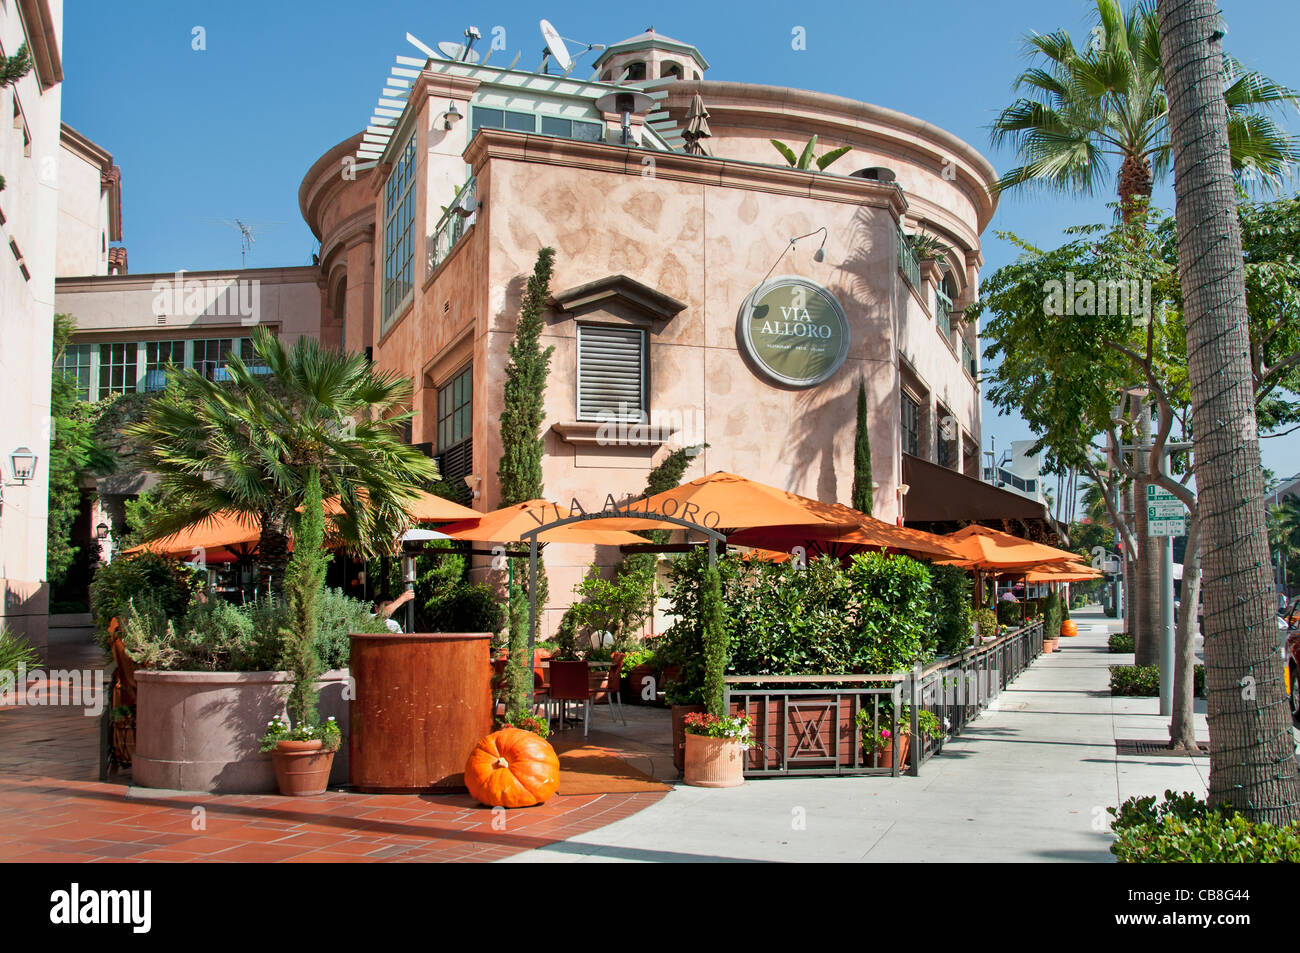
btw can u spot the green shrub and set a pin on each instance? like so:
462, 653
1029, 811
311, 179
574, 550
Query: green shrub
1143, 681
466, 607
15, 651
988, 622
170, 583
146, 633
1120, 642
874, 616
1009, 613
953, 616
1052, 616
1182, 829
341, 615
216, 636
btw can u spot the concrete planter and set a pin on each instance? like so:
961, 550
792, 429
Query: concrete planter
199, 731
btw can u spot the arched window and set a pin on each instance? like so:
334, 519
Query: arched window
670, 70
635, 72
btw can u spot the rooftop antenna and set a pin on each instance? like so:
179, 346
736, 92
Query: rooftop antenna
247, 234
515, 62
422, 47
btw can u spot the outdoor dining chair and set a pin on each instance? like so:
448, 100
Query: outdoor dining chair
541, 695
571, 682
609, 684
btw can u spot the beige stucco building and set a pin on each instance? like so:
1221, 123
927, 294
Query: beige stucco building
672, 250
657, 251
29, 205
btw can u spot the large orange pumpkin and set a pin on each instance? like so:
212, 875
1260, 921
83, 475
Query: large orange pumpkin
1069, 628
512, 768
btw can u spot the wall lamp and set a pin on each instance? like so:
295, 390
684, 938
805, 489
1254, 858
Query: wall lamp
23, 463
450, 117
101, 531
818, 255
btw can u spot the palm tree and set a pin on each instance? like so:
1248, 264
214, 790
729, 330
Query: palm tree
1252, 751
250, 443
1083, 108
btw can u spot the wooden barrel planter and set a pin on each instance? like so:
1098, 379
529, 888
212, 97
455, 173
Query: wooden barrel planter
420, 704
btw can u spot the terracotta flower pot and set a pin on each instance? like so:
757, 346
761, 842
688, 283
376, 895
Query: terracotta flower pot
679, 713
884, 757
714, 762
302, 768
1050, 645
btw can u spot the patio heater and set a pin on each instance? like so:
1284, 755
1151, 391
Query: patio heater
410, 540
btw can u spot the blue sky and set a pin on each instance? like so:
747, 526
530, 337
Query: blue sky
228, 132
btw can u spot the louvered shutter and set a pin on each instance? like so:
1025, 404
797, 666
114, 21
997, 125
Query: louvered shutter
611, 373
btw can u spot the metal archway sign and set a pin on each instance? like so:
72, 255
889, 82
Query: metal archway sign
714, 537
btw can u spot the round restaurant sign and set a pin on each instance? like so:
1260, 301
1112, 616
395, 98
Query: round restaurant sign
794, 331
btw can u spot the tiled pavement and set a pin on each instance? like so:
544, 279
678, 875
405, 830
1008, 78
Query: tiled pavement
52, 808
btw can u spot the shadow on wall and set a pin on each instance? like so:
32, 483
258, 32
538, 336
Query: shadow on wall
813, 450
26, 612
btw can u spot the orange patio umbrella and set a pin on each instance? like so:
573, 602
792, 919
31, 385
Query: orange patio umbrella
991, 550
510, 523
1061, 572
848, 530
725, 501
426, 508
222, 536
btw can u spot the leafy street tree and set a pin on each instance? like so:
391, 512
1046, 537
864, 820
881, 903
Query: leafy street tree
1083, 108
1252, 751
1062, 371
249, 444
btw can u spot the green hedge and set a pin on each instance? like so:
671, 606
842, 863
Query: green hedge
1143, 681
1182, 829
954, 619
1120, 642
875, 615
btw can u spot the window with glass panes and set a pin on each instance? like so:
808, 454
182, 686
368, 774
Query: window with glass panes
481, 117
456, 425
911, 425
118, 369
945, 438
572, 129
75, 363
158, 356
210, 356
399, 242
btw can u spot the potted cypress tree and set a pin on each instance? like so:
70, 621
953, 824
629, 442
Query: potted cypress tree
302, 748
716, 740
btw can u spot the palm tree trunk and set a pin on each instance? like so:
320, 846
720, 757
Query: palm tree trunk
1182, 728
272, 554
1252, 752
1135, 183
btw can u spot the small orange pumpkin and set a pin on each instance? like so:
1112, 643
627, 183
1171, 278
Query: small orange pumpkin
512, 768
1069, 628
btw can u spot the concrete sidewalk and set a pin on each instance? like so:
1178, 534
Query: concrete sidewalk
1028, 781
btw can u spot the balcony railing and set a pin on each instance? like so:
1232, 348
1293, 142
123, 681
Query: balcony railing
968, 359
943, 313
908, 263
452, 226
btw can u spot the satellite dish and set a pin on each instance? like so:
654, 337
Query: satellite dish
555, 47
457, 52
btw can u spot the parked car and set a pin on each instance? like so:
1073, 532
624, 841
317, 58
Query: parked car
1291, 672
